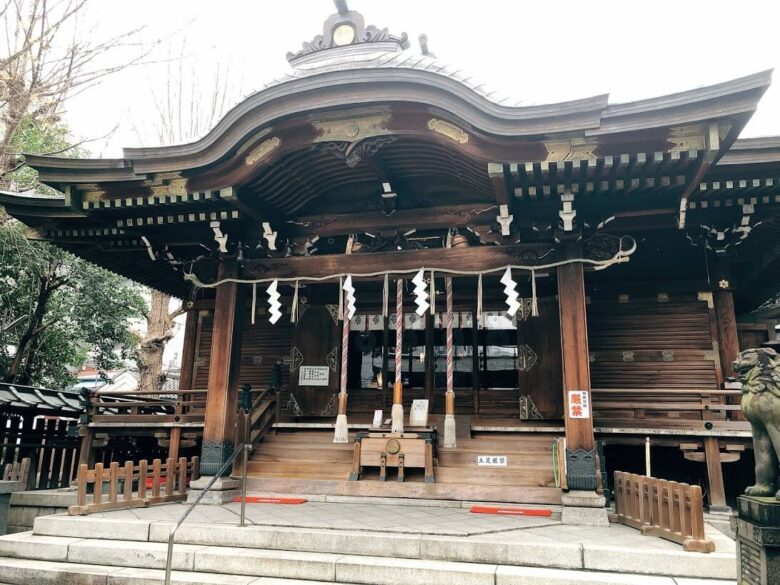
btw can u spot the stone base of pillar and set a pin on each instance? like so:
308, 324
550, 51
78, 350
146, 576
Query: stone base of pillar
758, 541
224, 490
584, 508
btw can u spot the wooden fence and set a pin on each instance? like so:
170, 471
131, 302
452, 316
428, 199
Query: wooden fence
133, 486
17, 472
50, 443
670, 510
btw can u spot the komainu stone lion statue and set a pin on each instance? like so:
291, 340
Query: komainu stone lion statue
759, 372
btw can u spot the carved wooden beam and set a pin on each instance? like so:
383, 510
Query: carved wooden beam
443, 217
471, 258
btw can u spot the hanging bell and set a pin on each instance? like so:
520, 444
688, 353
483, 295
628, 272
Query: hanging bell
460, 241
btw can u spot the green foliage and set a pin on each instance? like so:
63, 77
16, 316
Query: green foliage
37, 135
86, 311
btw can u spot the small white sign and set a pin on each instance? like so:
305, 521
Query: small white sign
313, 376
377, 418
418, 414
579, 404
492, 460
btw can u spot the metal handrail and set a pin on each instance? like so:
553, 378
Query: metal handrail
244, 448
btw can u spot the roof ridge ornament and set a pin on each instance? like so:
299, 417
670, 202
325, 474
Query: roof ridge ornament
347, 28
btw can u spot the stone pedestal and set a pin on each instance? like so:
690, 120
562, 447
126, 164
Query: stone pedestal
584, 508
224, 490
758, 541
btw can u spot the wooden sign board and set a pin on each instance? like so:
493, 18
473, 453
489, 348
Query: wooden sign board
418, 414
492, 460
377, 418
579, 404
313, 376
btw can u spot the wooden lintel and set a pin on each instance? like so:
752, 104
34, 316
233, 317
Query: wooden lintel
442, 217
469, 259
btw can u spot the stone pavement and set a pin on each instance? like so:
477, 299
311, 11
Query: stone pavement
358, 541
417, 519
412, 519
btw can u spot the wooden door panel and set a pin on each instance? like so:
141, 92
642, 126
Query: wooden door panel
316, 343
540, 376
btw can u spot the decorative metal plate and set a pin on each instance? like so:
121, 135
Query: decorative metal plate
526, 358
393, 446
333, 310
332, 359
330, 407
528, 409
293, 407
296, 359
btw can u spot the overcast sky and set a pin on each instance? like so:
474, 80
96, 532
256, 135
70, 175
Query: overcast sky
541, 52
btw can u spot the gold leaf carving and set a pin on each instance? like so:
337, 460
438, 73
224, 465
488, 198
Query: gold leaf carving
351, 129
706, 296
449, 130
262, 150
563, 151
686, 143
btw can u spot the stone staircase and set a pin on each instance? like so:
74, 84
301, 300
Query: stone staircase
66, 550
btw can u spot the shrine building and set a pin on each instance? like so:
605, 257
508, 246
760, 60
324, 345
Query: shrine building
486, 300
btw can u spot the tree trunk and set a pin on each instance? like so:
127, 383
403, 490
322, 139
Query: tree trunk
159, 330
44, 293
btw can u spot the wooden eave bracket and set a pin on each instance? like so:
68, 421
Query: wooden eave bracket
713, 144
220, 238
568, 213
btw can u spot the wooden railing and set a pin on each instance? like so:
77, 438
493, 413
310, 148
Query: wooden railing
133, 486
252, 425
107, 408
637, 403
673, 511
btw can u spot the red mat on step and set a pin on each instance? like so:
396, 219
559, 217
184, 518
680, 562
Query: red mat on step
511, 511
263, 500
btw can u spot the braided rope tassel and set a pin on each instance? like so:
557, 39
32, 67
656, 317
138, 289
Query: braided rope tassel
397, 412
341, 434
449, 418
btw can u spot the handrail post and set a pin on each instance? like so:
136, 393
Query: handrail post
247, 447
191, 506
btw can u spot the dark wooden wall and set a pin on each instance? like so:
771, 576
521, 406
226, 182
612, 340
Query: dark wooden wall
644, 343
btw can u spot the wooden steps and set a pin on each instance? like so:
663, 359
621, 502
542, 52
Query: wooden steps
306, 461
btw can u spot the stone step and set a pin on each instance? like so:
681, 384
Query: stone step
96, 539
383, 572
32, 572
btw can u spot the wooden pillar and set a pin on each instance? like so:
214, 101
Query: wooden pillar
717, 491
219, 430
728, 339
185, 377
578, 411
188, 350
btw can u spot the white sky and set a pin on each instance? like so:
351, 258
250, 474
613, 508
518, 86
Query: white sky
541, 52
